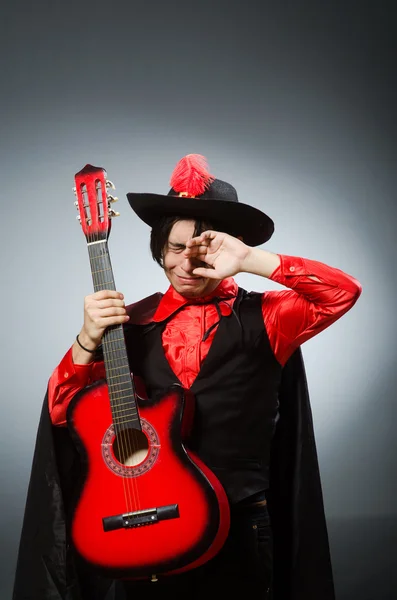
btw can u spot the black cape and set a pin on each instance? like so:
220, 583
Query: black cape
47, 568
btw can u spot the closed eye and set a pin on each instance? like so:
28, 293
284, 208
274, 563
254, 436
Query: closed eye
177, 247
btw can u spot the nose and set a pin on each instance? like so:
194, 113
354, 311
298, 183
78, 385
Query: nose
189, 264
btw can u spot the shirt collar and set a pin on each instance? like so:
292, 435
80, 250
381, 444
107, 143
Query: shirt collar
172, 301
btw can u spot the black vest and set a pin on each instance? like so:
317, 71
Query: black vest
236, 394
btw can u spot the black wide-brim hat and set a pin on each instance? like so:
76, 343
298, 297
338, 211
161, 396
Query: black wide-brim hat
218, 204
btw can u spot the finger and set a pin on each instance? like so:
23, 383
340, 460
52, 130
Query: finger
109, 321
203, 238
109, 302
196, 251
193, 242
209, 234
104, 294
112, 311
210, 273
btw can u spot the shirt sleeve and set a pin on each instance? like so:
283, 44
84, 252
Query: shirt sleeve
66, 380
310, 305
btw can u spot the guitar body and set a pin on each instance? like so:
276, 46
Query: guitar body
135, 471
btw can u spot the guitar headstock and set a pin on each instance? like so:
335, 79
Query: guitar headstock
94, 202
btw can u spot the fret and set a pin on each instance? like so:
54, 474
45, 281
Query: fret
124, 407
100, 271
104, 286
120, 339
122, 404
120, 372
119, 399
117, 422
120, 382
119, 390
118, 396
126, 415
99, 257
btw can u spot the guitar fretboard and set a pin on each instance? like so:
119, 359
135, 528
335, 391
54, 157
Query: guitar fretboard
118, 375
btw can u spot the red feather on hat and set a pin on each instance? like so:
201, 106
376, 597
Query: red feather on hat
191, 175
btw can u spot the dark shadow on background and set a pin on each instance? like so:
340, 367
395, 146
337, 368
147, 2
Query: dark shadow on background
364, 556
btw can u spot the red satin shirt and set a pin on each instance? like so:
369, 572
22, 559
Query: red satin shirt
291, 317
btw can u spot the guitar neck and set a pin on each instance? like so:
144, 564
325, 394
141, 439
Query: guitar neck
121, 387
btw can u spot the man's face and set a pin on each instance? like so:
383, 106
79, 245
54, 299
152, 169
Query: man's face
179, 269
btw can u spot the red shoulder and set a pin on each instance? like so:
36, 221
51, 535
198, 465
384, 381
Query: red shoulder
142, 312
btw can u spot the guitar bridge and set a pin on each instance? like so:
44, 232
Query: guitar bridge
138, 518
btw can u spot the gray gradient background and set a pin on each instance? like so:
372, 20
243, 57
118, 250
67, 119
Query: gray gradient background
294, 104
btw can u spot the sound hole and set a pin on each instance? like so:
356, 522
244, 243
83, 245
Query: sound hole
130, 447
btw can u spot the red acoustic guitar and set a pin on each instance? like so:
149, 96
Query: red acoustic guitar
146, 505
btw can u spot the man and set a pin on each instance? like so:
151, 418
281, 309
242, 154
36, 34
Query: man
239, 354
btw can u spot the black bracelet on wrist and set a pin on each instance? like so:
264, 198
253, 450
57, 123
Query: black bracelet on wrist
81, 346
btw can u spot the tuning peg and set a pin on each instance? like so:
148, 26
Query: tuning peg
109, 184
112, 198
74, 191
78, 218
113, 213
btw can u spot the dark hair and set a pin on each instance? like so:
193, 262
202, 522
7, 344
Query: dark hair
162, 229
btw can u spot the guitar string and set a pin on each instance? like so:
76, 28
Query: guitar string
99, 254
121, 433
127, 434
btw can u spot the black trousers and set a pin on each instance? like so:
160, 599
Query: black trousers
243, 566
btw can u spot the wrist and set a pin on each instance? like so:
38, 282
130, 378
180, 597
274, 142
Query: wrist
250, 261
83, 347
86, 340
260, 262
